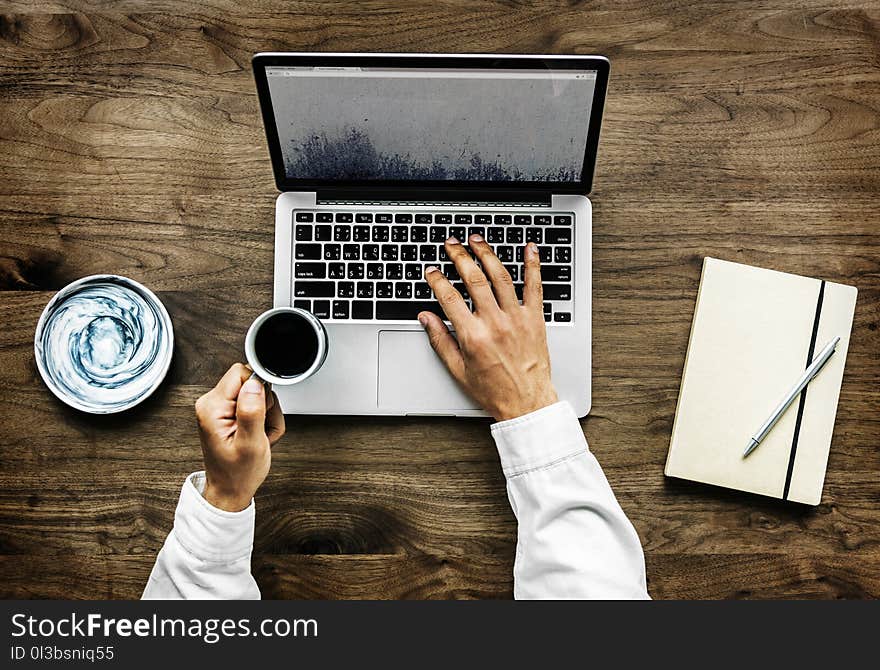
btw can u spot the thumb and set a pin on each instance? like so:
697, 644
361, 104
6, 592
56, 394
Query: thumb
443, 343
250, 410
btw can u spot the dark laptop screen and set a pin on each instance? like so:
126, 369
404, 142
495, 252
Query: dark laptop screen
467, 125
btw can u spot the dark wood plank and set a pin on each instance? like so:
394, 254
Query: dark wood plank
130, 142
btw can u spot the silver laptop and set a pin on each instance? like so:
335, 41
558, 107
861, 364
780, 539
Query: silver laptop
379, 159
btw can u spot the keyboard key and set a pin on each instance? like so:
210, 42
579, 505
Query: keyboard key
505, 254
422, 290
522, 219
355, 270
314, 289
361, 233
323, 233
340, 309
443, 218
535, 235
441, 253
321, 309
399, 234
502, 219
344, 217
458, 233
548, 308
384, 289
546, 317
558, 236
557, 292
389, 252
438, 233
518, 254
345, 289
306, 217
365, 290
451, 272
401, 310
423, 218
341, 233
545, 254
403, 290
461, 288
332, 252
351, 252
362, 217
419, 234
324, 217
562, 317
336, 270
375, 271
542, 220
562, 220
303, 234
361, 310
394, 271
412, 271
309, 270
307, 252
403, 218
483, 219
370, 252
514, 235
477, 230
556, 273
383, 218
427, 253
409, 252
380, 233
495, 235
303, 304
513, 270
562, 255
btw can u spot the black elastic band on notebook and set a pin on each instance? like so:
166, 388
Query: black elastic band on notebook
803, 400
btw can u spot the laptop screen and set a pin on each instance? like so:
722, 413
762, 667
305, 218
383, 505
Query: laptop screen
432, 124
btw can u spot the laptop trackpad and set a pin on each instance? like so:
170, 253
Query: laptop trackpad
413, 379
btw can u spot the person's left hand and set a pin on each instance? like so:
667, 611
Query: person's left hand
238, 424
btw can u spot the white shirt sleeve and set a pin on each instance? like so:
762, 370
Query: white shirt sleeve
573, 539
207, 555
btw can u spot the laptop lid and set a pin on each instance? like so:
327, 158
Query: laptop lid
350, 122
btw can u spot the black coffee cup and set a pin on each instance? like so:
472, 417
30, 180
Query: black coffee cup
286, 345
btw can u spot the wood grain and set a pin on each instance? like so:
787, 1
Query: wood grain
130, 142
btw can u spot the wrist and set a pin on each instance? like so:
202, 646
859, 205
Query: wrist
228, 501
525, 406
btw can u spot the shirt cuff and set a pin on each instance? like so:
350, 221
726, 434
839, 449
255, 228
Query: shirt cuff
538, 439
210, 533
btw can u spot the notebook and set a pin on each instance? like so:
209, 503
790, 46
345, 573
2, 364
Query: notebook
753, 334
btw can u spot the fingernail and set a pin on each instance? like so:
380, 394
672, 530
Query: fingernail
430, 269
252, 385
452, 240
533, 248
423, 320
477, 238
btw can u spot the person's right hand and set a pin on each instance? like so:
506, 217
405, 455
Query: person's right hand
500, 358
238, 423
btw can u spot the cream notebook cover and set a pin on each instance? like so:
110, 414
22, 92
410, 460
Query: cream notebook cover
753, 334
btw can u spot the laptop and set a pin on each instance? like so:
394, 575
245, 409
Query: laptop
379, 159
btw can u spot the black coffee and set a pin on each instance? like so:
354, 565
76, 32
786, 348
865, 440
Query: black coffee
286, 344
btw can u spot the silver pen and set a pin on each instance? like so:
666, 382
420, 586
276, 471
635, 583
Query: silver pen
811, 371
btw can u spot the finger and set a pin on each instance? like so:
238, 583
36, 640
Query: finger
533, 291
502, 283
230, 384
450, 300
274, 419
476, 282
443, 343
250, 412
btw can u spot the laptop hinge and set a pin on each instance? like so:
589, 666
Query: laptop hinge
443, 197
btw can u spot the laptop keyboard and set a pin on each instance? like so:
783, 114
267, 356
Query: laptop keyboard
362, 266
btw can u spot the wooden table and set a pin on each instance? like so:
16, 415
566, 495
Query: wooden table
130, 142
